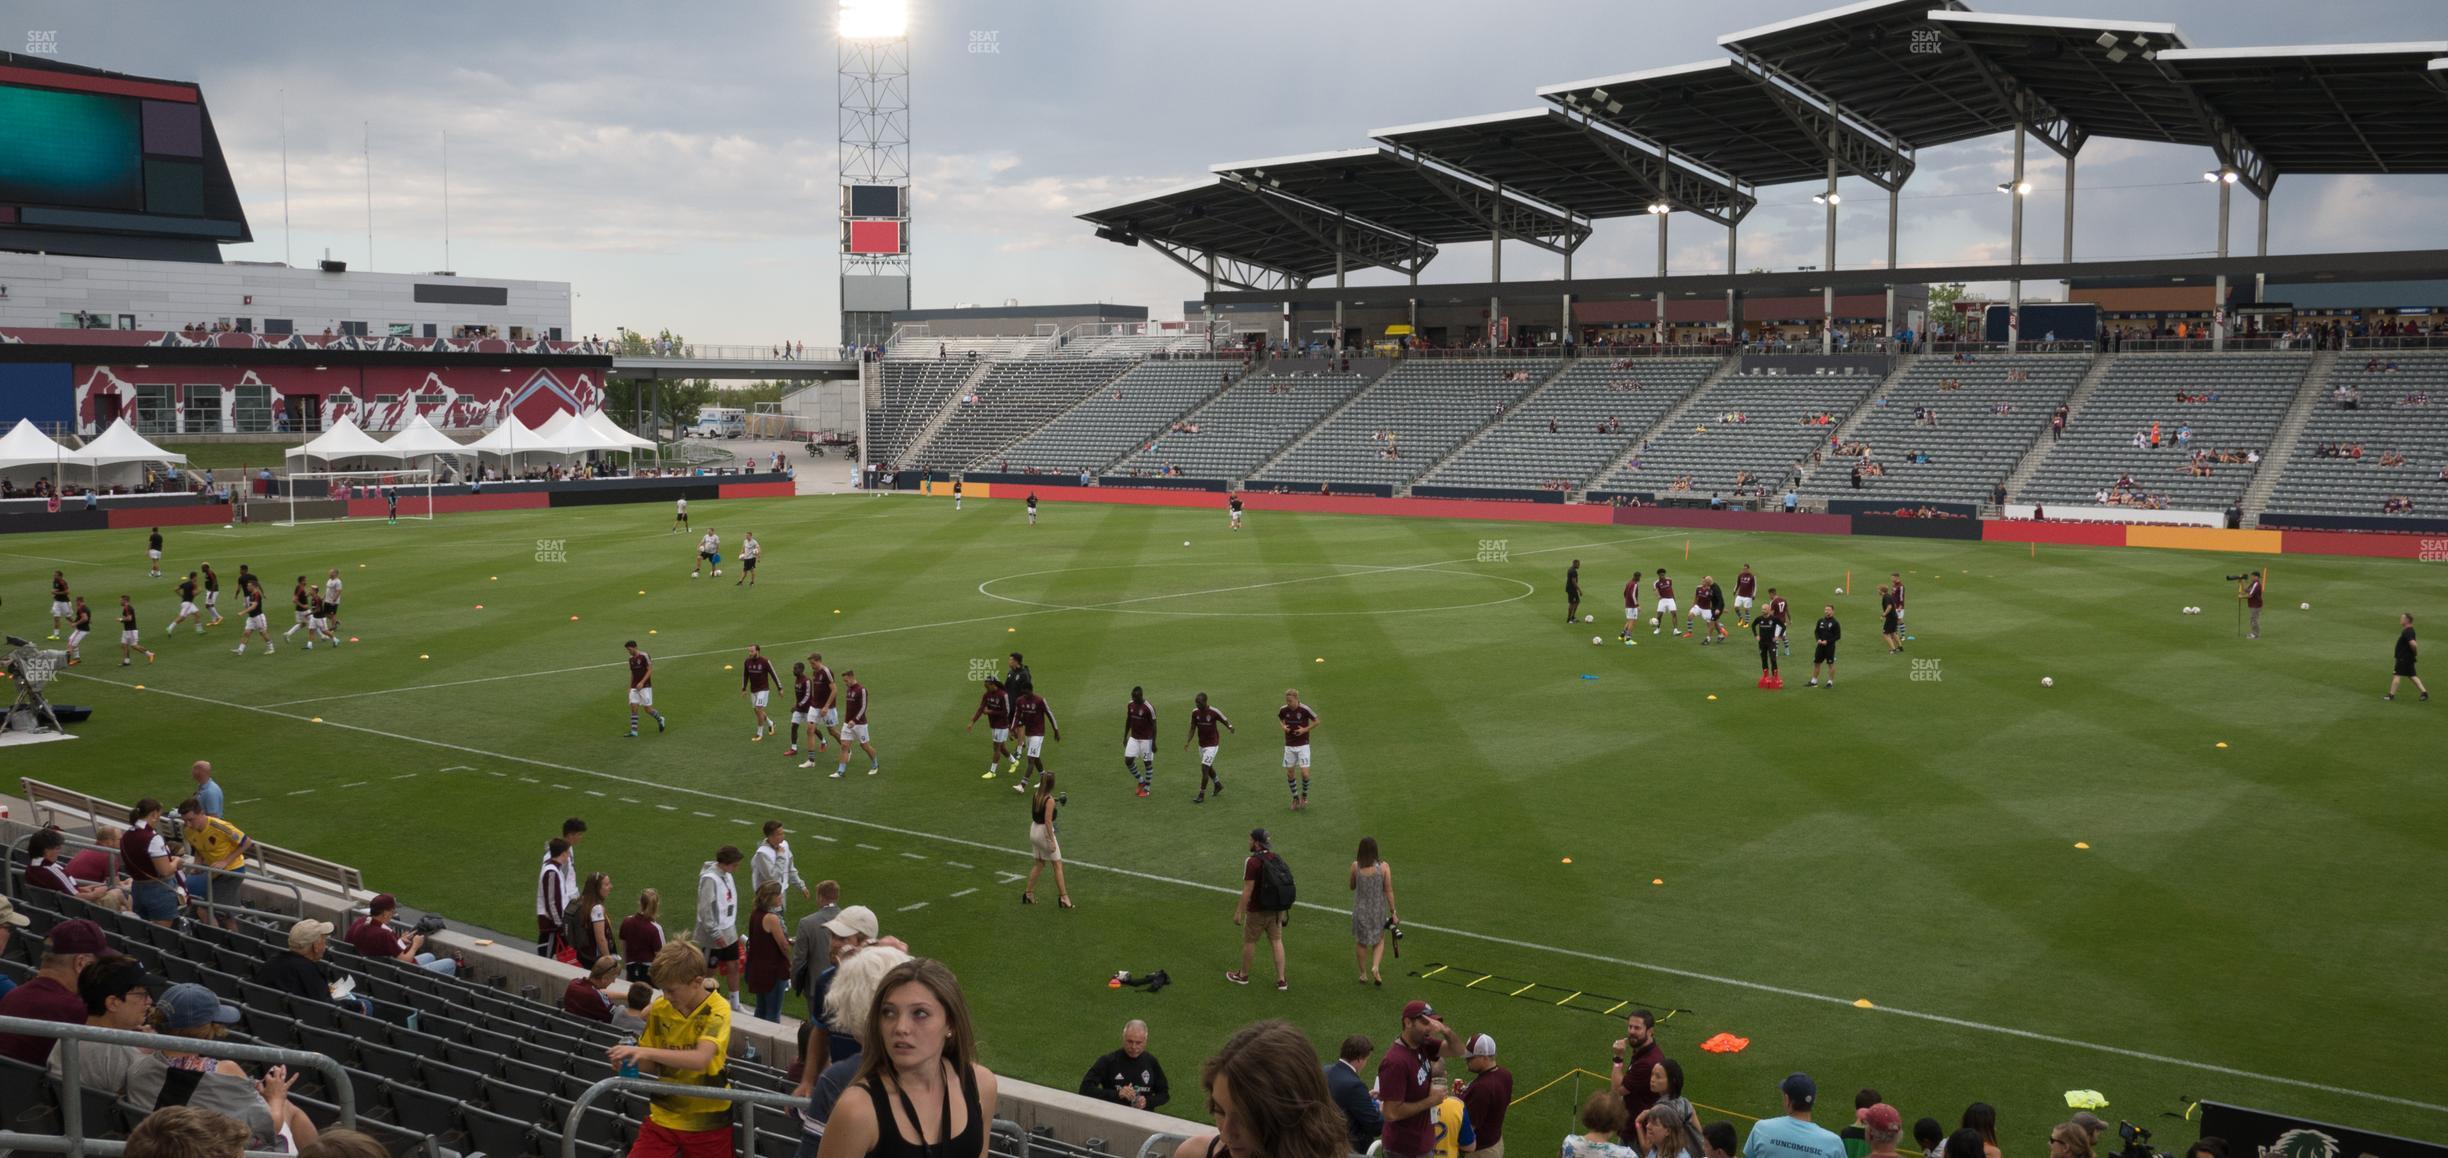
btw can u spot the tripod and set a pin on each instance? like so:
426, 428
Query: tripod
31, 668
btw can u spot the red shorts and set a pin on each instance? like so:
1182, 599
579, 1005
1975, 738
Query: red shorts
658, 1141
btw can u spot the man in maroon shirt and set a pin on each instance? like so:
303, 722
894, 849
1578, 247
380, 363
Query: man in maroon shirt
1636, 1053
1776, 611
799, 698
372, 936
1402, 1081
1139, 740
1034, 717
1297, 719
52, 994
1488, 1096
2252, 599
1666, 607
1745, 585
824, 706
996, 705
1632, 598
641, 688
1204, 724
756, 684
854, 725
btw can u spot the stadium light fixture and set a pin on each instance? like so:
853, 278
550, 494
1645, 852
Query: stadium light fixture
2023, 189
2230, 176
1827, 199
1660, 208
874, 19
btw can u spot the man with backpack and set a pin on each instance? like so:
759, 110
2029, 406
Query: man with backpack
1267, 895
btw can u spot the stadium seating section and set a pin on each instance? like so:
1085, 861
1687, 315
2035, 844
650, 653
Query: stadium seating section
2385, 420
1972, 444
1521, 452
1714, 449
1117, 419
1134, 345
912, 346
1243, 426
1013, 400
913, 393
2248, 395
1411, 417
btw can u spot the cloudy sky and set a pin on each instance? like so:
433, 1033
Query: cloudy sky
677, 162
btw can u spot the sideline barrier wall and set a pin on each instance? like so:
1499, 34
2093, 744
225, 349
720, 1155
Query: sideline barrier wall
1260, 502
2203, 539
2062, 534
1701, 518
2431, 548
214, 514
1968, 530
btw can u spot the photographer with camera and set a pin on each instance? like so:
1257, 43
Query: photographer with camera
2248, 589
1373, 913
372, 936
1404, 1088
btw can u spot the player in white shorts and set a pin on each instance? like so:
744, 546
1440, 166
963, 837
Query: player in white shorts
80, 619
331, 596
1297, 719
62, 607
854, 730
756, 683
252, 600
1235, 507
1204, 722
1139, 740
212, 596
187, 607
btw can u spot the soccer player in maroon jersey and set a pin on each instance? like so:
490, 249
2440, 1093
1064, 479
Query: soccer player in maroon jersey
824, 712
756, 683
1139, 739
1666, 606
1035, 717
641, 687
1203, 722
1297, 720
1745, 584
1891, 610
854, 724
996, 705
799, 703
1632, 597
1776, 611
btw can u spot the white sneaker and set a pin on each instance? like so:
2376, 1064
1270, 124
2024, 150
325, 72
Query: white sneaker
238, 650
807, 763
836, 775
268, 649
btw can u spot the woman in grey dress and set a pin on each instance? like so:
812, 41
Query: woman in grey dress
1372, 885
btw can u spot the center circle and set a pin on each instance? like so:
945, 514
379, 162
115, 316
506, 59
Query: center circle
1164, 602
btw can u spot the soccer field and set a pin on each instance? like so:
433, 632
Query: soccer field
1885, 884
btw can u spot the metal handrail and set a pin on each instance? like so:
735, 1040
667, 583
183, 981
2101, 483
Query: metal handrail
1158, 1145
17, 850
751, 1098
71, 1140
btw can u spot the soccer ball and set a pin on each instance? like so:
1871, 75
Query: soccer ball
1840, 591
2304, 606
2046, 682
1653, 621
718, 572
694, 575
1597, 642
1589, 619
228, 526
1185, 542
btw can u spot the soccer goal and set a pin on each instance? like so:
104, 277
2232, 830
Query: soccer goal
322, 495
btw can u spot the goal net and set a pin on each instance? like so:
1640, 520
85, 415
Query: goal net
323, 495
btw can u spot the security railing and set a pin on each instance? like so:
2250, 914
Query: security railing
71, 1139
1015, 1141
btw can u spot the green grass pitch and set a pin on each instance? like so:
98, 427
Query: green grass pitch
2258, 923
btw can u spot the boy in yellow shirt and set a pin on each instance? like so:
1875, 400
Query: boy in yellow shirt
687, 1037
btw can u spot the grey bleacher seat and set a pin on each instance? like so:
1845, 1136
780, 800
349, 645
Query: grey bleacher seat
1625, 398
1241, 427
2251, 392
913, 393
2385, 419
1117, 419
1413, 416
1972, 446
918, 347
1014, 399
1773, 434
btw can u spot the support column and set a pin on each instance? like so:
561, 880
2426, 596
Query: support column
1495, 283
1564, 334
2261, 249
1827, 268
1211, 289
1659, 335
1733, 266
2218, 294
2014, 247
1338, 322
1415, 334
1888, 324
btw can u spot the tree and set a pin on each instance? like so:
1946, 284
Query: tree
669, 404
1942, 299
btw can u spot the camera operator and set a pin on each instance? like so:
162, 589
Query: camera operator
1403, 1086
2248, 589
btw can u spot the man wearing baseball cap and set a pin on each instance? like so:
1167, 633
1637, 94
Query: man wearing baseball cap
1794, 1135
117, 995
1403, 1086
1884, 1127
52, 994
299, 971
853, 929
11, 920
1488, 1094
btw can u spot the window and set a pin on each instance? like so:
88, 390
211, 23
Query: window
353, 329
518, 333
431, 400
156, 409
280, 327
203, 410
556, 333
429, 329
245, 325
251, 410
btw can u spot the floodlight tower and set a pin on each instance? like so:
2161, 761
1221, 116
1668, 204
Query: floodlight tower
873, 55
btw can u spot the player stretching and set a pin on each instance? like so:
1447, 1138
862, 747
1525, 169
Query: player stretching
1744, 584
824, 711
756, 683
331, 605
749, 550
1203, 722
1235, 506
709, 554
1717, 608
680, 515
799, 695
318, 623
301, 601
1666, 606
80, 625
1572, 593
1632, 596
1776, 611
1891, 610
1824, 648
1032, 512
251, 599
127, 632
996, 705
1139, 740
187, 608
1704, 608
641, 688
1035, 717
212, 596
153, 550
854, 724
1297, 720
62, 607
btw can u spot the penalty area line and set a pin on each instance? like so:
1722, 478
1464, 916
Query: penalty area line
1487, 938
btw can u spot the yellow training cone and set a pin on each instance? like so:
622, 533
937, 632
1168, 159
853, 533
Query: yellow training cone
424, 657
2222, 743
1657, 880
494, 578
837, 611
1863, 1003
1712, 696
2082, 844
315, 720
140, 687
641, 591
1568, 860
652, 631
1321, 659
726, 667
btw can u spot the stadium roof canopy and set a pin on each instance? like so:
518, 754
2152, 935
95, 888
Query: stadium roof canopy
1410, 195
1572, 162
2101, 75
1883, 61
1258, 238
2329, 108
1728, 117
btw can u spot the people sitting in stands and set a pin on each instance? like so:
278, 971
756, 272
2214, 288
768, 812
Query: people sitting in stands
372, 936
2397, 505
2391, 458
117, 995
2417, 398
300, 970
587, 996
1129, 1076
47, 871
192, 1012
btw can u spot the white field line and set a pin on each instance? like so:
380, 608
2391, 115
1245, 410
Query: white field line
1488, 938
941, 623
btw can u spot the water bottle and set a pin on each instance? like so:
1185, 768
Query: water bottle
629, 1066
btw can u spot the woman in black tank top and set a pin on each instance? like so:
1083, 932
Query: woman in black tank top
919, 1092
1269, 1099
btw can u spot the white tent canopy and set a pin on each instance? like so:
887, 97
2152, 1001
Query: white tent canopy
567, 433
23, 445
511, 437
420, 438
121, 443
344, 440
604, 425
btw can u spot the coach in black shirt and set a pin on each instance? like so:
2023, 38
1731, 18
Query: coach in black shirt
1016, 679
1824, 638
2405, 659
299, 972
1130, 1075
